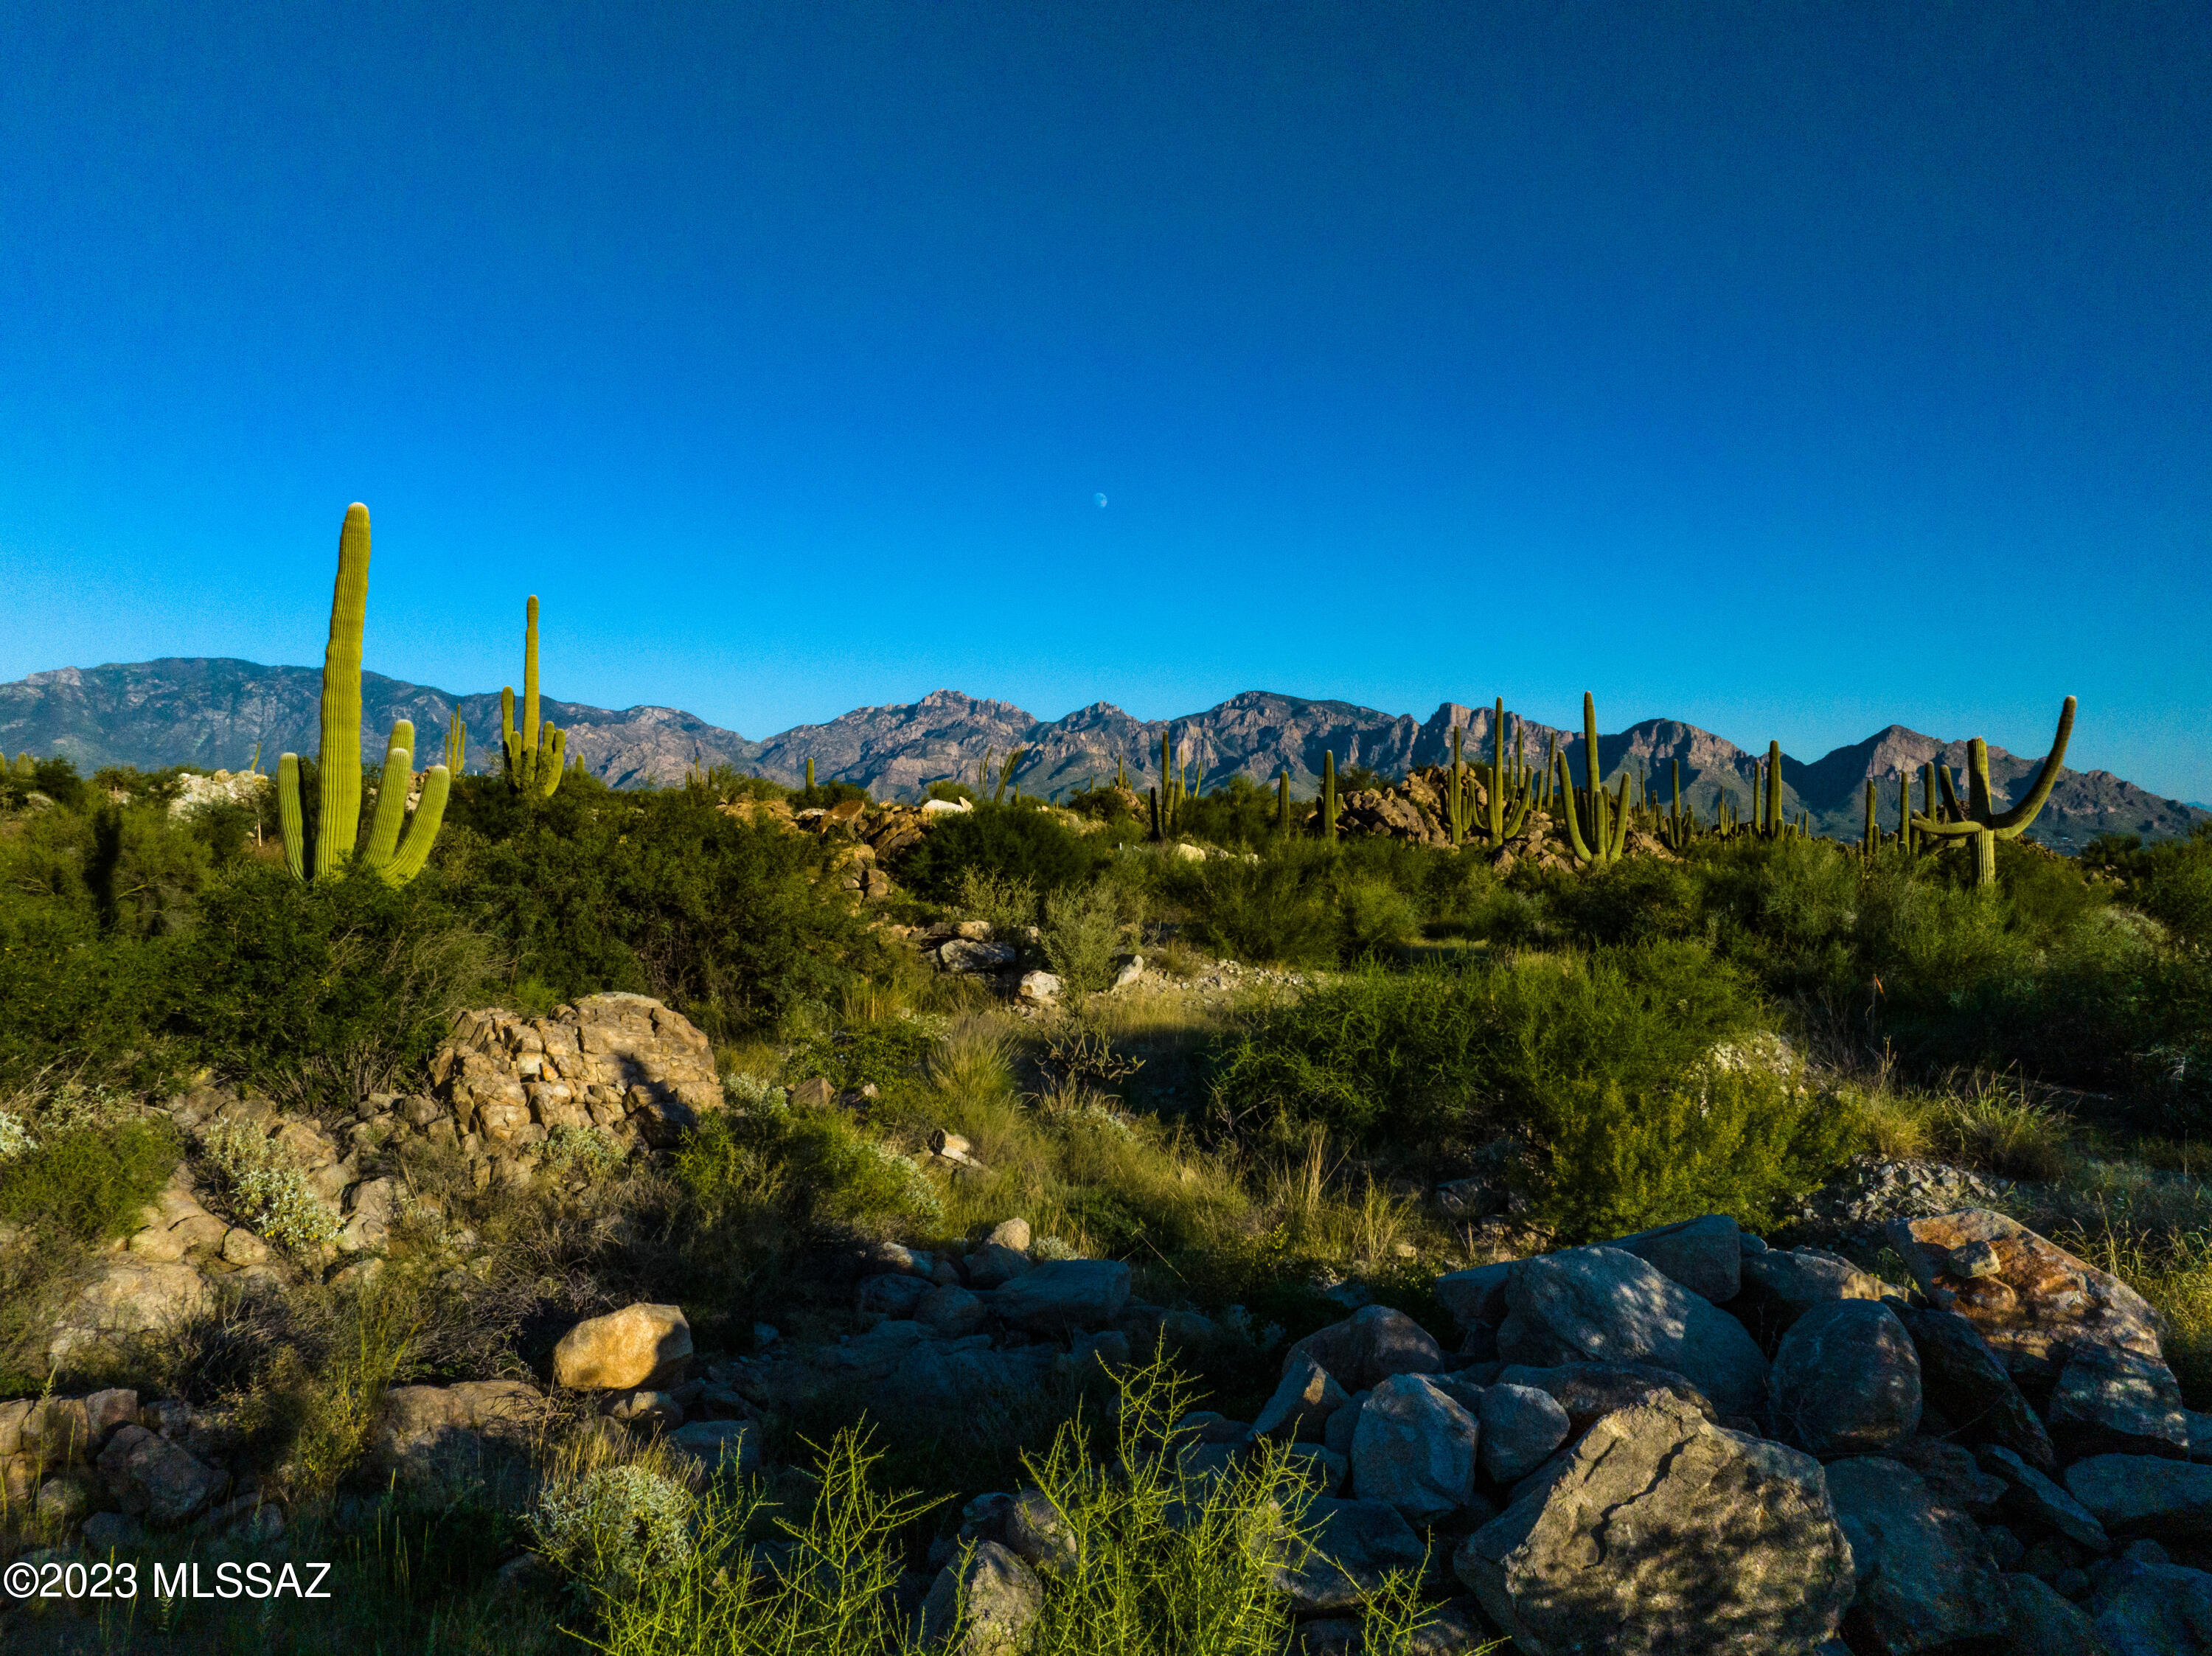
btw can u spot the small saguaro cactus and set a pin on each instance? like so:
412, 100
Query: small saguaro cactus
1608, 829
1870, 842
1501, 821
1329, 793
1978, 820
1283, 801
810, 776
533, 752
1770, 817
1455, 794
338, 767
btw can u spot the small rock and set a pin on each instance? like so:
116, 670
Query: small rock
2154, 1610
1704, 1255
108, 1532
1038, 988
1845, 1380
892, 1295
2036, 1498
1302, 1404
2145, 1495
712, 1444
2111, 1401
1035, 1531
645, 1412
1356, 1543
993, 1265
1923, 1581
1011, 1233
1521, 1429
1063, 1296
1968, 1383
990, 1597
154, 1480
1415, 1448
949, 1312
1368, 1347
2039, 1622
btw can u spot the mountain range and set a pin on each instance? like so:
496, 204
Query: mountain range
215, 713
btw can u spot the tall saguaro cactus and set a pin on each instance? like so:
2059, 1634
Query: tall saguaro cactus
1329, 793
533, 753
1977, 819
1502, 822
338, 767
1608, 829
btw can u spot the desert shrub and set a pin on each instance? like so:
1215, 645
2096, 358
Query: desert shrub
1427, 1056
89, 1180
823, 795
735, 923
574, 1153
1745, 1142
1082, 934
1006, 903
319, 995
262, 1187
766, 1183
879, 1052
612, 1531
1636, 900
1012, 842
1308, 902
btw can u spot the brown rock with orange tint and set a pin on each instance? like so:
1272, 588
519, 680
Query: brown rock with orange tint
2029, 1298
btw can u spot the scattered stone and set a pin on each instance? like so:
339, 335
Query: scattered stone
1368, 1347
2145, 1495
1590, 1391
1954, 1477
111, 1532
966, 954
1131, 970
1660, 1533
640, 1345
1522, 1427
991, 1599
1038, 988
1704, 1255
2031, 1300
993, 1265
1600, 1304
1356, 1543
1302, 1404
1036, 1532
1967, 1382
1063, 1296
1415, 1448
1845, 1380
1476, 1296
370, 1207
1852, 1208
645, 1412
1011, 1233
2111, 1401
1923, 1582
129, 1296
815, 1092
949, 1312
156, 1480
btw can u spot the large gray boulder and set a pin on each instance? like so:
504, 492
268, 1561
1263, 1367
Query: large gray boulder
2146, 1495
1302, 1404
1414, 1448
2041, 1623
1521, 1429
156, 1480
709, 1447
1368, 1347
1356, 1543
2030, 1494
1476, 1294
2112, 1401
1964, 1378
1924, 1581
1845, 1380
1704, 1255
953, 1380
1064, 1295
2154, 1610
1600, 1304
1781, 1285
1661, 1532
1590, 1391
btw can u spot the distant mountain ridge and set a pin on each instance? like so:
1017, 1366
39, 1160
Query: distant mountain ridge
211, 711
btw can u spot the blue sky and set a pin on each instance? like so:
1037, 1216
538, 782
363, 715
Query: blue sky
1789, 369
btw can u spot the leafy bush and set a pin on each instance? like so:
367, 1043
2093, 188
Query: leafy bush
89, 1181
319, 995
1082, 935
1005, 903
792, 1172
879, 1053
1011, 842
613, 1531
262, 1188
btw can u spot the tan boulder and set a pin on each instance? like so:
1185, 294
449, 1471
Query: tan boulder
2029, 1298
639, 1346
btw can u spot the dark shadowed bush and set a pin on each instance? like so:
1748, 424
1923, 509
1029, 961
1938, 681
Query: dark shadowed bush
1011, 842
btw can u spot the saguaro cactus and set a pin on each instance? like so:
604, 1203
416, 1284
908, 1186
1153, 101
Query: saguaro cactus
1977, 819
1455, 794
533, 752
338, 766
1283, 801
810, 776
1608, 829
1502, 822
1329, 793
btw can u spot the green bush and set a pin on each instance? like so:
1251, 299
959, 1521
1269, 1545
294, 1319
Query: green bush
799, 1170
262, 1188
1019, 842
612, 1530
1082, 934
89, 1181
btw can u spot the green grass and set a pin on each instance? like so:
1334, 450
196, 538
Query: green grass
90, 1181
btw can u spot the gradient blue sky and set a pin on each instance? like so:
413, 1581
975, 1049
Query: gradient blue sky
1791, 369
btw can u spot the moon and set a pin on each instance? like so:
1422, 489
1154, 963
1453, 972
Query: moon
1100, 498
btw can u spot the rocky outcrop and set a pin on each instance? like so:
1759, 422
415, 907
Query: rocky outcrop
625, 1063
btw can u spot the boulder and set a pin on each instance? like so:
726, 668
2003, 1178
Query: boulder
1414, 1448
129, 1296
1923, 1581
1600, 1304
1522, 1427
1968, 1384
1704, 1255
2031, 1300
1368, 1347
1341, 1426
1063, 1296
2039, 1622
1476, 1295
1953, 1477
369, 1208
640, 1345
1590, 1391
154, 1479
1038, 988
2145, 1495
993, 1264
1845, 1380
892, 1294
2112, 1401
441, 1436
967, 954
1302, 1404
1355, 1544
949, 1312
2154, 1610
710, 1445
1661, 1532
983, 1605
2031, 1496
1781, 1285
955, 1379
1011, 1233
1038, 1533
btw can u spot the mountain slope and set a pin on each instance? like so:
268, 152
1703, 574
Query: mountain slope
212, 712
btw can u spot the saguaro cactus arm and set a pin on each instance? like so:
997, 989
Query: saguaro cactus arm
289, 815
390, 795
